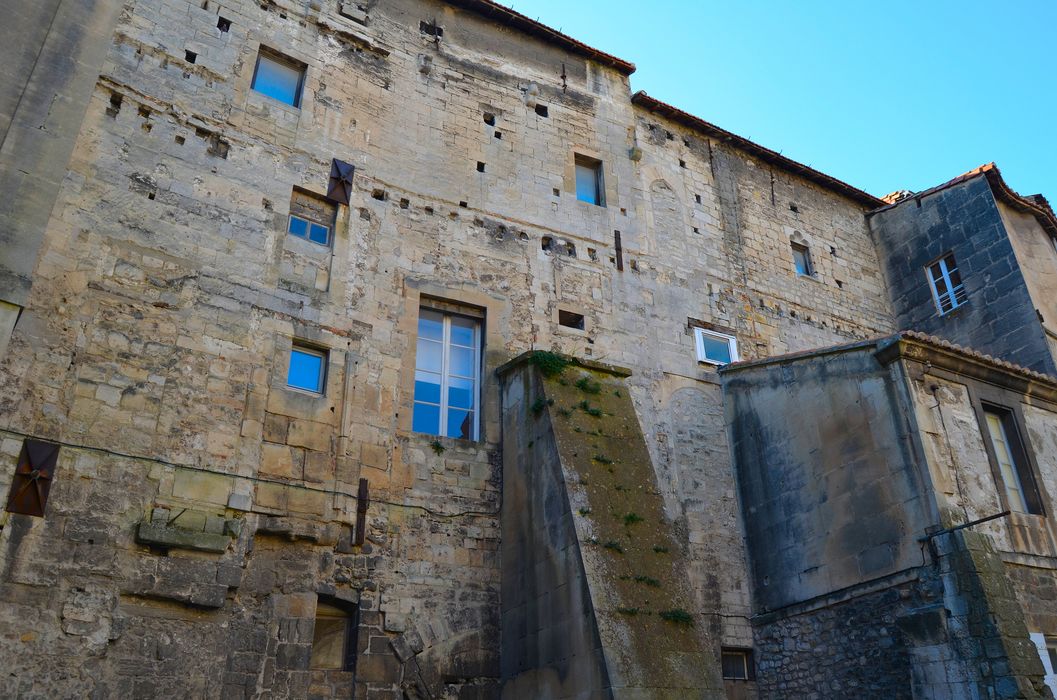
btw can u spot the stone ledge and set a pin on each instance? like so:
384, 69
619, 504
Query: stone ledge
157, 534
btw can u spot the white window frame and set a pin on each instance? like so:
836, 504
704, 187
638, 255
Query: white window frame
952, 293
310, 223
699, 343
322, 380
445, 373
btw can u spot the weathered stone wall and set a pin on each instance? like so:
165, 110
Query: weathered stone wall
167, 297
999, 318
50, 55
829, 485
1036, 255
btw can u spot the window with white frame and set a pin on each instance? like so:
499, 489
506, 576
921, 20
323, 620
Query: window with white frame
447, 375
308, 369
715, 348
946, 281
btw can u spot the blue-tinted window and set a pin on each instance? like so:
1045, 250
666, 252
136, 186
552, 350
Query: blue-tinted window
303, 228
278, 79
447, 375
589, 180
307, 369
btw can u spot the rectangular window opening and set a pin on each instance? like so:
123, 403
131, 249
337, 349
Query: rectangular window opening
311, 217
571, 319
334, 636
802, 260
946, 282
279, 77
308, 369
589, 186
1013, 466
737, 664
447, 373
715, 348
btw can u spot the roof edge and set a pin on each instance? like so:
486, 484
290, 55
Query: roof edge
765, 154
516, 20
921, 346
1039, 209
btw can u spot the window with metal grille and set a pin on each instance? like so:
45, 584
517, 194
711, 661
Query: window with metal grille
946, 281
1012, 460
447, 375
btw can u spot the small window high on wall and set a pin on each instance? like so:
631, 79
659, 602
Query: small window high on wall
802, 260
311, 217
447, 374
946, 281
715, 348
279, 77
589, 186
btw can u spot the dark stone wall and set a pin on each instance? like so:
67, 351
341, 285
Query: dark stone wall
829, 491
850, 649
999, 318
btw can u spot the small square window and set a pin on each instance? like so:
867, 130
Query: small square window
308, 369
715, 348
946, 282
570, 319
311, 217
802, 260
737, 665
589, 186
279, 77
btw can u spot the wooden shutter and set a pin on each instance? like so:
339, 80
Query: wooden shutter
33, 477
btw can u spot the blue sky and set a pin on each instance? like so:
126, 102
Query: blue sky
885, 96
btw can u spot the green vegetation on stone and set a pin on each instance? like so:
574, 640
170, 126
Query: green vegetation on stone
678, 616
550, 364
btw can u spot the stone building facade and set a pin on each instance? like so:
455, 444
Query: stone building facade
223, 266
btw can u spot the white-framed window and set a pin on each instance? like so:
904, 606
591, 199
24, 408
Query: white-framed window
278, 77
308, 369
802, 260
715, 348
309, 230
946, 282
447, 375
589, 186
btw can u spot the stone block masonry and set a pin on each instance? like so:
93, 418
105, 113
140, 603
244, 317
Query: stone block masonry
168, 296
